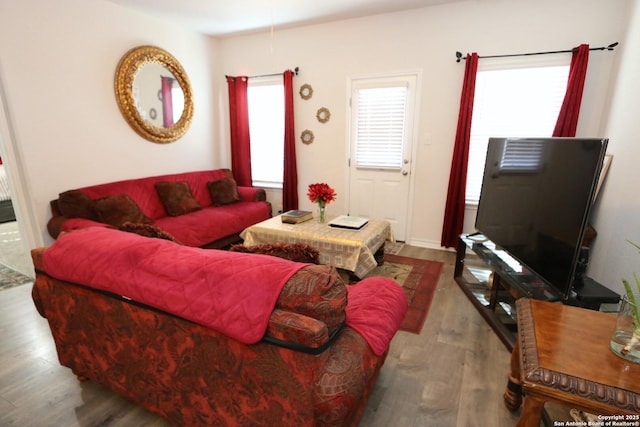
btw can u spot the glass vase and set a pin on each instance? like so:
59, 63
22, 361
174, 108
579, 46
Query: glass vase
625, 341
321, 214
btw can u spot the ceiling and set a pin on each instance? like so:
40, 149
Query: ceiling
227, 17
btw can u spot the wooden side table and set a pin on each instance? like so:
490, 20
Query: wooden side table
562, 355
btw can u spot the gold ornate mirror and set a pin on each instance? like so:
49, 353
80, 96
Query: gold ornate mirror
154, 94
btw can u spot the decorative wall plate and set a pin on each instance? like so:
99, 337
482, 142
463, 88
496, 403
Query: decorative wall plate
323, 115
307, 136
306, 91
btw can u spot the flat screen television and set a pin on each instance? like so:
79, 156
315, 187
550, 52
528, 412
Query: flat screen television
535, 202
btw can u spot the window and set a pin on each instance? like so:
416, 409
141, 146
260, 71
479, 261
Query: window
177, 100
266, 129
513, 101
380, 126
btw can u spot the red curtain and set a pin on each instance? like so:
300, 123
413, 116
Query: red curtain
240, 141
454, 209
167, 101
290, 178
570, 110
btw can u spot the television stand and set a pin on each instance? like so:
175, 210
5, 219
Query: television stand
493, 280
591, 294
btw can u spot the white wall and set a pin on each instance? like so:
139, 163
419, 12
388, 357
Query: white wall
62, 126
617, 213
425, 39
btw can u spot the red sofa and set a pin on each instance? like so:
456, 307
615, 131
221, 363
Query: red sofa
208, 337
202, 209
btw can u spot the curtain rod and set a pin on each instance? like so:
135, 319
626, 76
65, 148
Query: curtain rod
459, 56
295, 72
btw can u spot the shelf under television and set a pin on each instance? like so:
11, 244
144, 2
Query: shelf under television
492, 280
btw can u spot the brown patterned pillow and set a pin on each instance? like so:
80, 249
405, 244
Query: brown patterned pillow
147, 230
116, 210
76, 204
316, 291
223, 191
299, 252
176, 198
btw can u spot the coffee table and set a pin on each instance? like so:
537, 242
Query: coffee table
351, 250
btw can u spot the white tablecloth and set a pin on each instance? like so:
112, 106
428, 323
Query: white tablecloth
343, 248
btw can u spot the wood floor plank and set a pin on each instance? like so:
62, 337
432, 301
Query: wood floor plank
451, 374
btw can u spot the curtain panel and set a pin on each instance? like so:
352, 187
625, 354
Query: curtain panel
167, 101
290, 172
239, 127
455, 206
570, 110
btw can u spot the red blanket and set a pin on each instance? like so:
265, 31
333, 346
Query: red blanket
231, 292
376, 309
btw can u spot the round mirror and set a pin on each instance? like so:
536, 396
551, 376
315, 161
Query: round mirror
306, 91
154, 94
307, 136
323, 115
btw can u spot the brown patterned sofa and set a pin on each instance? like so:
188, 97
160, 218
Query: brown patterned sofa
141, 316
200, 208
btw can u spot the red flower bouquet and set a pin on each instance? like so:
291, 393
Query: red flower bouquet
321, 193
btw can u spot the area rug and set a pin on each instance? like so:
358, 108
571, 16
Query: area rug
10, 278
419, 279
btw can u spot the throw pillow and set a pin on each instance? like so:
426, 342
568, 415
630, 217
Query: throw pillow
147, 230
223, 191
176, 198
316, 291
116, 210
76, 204
299, 252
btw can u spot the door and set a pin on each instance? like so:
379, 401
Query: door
381, 134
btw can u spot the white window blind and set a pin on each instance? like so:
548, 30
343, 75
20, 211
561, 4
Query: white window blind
521, 156
515, 102
266, 130
380, 126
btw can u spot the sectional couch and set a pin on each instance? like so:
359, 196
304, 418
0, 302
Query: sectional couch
209, 337
200, 209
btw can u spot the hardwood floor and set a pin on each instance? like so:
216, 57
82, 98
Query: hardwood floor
13, 252
452, 374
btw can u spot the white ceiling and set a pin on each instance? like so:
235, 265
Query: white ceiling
227, 17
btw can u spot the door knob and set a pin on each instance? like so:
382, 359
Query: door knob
405, 173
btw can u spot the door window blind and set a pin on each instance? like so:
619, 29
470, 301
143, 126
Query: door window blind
380, 126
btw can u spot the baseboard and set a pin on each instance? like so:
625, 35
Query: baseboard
427, 244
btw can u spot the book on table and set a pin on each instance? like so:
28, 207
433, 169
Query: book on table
296, 216
350, 222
